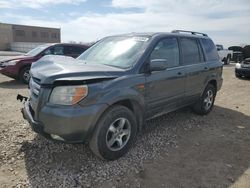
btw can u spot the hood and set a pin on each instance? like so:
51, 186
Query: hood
21, 57
50, 69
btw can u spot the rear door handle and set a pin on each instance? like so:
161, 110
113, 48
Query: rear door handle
206, 68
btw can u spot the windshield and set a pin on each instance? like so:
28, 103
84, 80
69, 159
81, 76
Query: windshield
119, 52
37, 50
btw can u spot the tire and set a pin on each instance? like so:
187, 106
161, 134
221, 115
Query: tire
208, 97
24, 75
110, 143
227, 60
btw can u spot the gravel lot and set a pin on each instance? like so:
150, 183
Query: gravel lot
180, 149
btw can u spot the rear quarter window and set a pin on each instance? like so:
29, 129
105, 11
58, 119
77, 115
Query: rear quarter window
210, 49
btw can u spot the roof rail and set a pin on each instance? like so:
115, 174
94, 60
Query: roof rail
191, 32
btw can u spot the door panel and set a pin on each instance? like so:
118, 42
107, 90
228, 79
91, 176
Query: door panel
196, 75
195, 67
165, 89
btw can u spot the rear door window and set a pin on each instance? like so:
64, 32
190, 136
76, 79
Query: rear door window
55, 50
167, 49
190, 51
210, 49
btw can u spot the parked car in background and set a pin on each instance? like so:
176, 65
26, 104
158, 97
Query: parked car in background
246, 51
238, 53
243, 69
107, 93
224, 54
18, 67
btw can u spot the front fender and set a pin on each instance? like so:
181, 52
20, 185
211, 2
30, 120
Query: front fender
115, 96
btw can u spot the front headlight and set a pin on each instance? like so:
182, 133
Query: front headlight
68, 95
238, 66
13, 62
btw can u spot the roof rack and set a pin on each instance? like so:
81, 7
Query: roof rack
191, 32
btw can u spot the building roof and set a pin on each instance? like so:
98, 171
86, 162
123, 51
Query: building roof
29, 26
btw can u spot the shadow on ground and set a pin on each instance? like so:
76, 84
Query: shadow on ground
215, 155
244, 78
12, 84
212, 152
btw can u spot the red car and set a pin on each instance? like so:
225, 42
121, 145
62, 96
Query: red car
18, 67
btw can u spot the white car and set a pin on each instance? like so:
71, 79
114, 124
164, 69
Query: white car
243, 69
224, 54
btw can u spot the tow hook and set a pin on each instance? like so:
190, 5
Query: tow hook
21, 98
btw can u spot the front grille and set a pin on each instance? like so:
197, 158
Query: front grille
35, 86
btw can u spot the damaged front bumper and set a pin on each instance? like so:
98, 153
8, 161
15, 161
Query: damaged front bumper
72, 124
36, 126
21, 98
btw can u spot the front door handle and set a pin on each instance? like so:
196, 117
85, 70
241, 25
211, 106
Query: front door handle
206, 68
179, 73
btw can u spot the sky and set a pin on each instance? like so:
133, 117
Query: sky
227, 22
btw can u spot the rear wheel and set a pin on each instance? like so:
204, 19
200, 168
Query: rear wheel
24, 75
115, 133
206, 102
227, 60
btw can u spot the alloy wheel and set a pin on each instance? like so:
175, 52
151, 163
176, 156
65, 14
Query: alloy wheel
26, 76
118, 134
209, 98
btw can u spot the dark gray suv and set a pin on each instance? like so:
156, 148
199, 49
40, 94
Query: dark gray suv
106, 94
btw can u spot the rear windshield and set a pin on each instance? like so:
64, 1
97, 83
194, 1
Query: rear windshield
121, 52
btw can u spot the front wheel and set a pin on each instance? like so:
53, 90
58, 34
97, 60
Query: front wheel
206, 101
24, 75
115, 133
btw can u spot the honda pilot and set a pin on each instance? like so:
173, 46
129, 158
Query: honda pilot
105, 95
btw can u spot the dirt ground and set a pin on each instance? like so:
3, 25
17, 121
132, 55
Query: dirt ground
180, 149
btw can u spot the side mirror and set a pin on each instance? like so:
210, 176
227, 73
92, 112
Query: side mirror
158, 64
